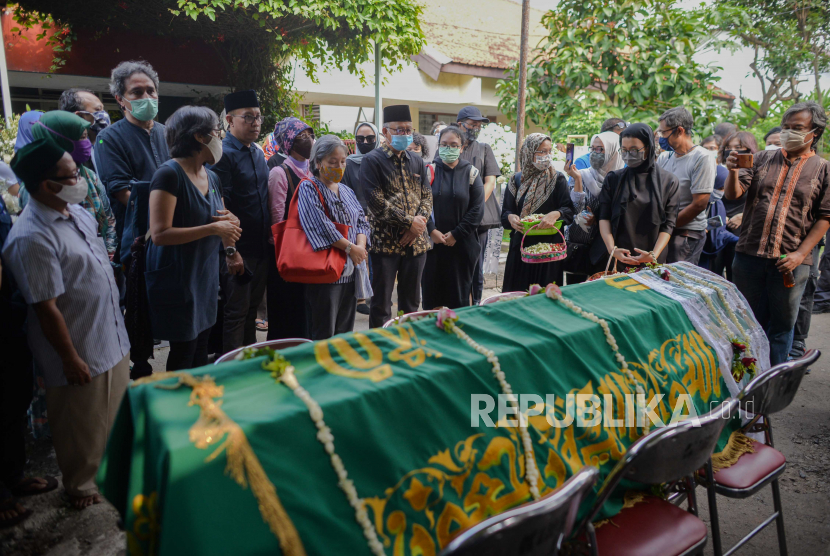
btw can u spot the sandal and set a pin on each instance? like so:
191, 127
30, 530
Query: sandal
30, 486
262, 324
10, 504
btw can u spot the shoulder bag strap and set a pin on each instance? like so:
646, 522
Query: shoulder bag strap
322, 200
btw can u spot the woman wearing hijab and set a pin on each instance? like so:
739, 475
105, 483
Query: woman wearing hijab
24, 128
71, 133
457, 206
286, 300
604, 157
637, 205
537, 189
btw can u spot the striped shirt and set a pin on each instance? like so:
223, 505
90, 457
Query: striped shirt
319, 230
53, 256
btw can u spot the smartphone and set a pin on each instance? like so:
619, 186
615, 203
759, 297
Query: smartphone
569, 152
715, 222
745, 160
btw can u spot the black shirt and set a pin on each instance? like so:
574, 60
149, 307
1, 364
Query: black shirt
481, 156
243, 172
125, 155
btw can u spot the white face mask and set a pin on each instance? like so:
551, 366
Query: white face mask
542, 162
772, 147
793, 140
215, 148
72, 194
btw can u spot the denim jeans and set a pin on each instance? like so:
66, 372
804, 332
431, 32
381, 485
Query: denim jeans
775, 306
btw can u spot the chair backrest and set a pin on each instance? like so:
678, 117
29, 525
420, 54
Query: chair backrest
501, 297
533, 529
273, 344
775, 389
669, 453
409, 316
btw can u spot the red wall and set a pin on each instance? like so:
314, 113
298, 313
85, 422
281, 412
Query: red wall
177, 61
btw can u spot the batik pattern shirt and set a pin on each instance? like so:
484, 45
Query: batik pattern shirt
396, 192
783, 201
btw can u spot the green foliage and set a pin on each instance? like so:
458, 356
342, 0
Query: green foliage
584, 124
628, 59
60, 40
7, 138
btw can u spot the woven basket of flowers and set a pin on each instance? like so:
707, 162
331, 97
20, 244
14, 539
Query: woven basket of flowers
543, 252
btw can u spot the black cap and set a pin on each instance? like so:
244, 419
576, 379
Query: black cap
397, 113
35, 161
471, 113
241, 99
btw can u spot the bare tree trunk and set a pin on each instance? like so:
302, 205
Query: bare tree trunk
520, 111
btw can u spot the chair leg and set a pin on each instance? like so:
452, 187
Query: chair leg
691, 499
592, 539
713, 509
779, 521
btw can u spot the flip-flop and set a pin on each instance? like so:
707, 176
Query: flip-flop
30, 486
21, 516
262, 325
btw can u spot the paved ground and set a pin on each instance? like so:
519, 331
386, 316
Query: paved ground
802, 433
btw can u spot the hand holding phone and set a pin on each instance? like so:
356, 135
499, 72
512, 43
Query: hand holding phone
569, 152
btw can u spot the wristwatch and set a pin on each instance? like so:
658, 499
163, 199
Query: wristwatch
230, 251
349, 248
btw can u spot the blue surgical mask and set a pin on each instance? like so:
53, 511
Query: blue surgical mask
401, 142
664, 144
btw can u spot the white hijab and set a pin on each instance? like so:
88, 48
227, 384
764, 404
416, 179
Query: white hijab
592, 179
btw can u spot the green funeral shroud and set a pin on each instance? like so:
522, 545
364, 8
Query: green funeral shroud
398, 402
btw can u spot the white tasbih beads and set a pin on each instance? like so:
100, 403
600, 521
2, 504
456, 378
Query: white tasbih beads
326, 438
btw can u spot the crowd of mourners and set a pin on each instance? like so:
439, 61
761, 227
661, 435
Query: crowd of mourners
137, 231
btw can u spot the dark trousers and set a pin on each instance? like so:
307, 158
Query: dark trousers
775, 306
330, 309
241, 303
723, 260
16, 382
821, 298
805, 310
686, 245
386, 268
287, 316
478, 272
190, 354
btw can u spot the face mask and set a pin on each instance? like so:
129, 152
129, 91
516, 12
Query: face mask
400, 142
597, 160
331, 174
713, 155
365, 148
215, 148
102, 120
82, 151
772, 147
449, 154
472, 134
542, 162
793, 140
664, 144
633, 159
144, 109
72, 194
302, 146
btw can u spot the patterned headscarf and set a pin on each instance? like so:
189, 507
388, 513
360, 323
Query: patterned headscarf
537, 185
286, 131
271, 146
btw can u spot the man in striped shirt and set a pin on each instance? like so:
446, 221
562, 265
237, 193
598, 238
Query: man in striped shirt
76, 330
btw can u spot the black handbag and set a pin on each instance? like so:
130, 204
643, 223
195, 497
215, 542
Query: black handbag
579, 259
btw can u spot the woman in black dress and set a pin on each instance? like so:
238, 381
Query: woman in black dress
457, 206
637, 205
538, 189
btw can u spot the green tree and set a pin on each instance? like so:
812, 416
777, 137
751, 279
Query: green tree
629, 59
790, 39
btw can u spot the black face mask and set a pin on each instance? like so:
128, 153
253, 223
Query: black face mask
472, 134
302, 146
365, 148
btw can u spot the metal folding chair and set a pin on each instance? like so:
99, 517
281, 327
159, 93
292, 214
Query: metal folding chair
656, 527
273, 344
409, 316
533, 529
768, 393
502, 296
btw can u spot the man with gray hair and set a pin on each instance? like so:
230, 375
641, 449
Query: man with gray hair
128, 153
696, 171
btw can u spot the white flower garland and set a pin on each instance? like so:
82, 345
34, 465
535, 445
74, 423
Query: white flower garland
531, 470
326, 438
553, 292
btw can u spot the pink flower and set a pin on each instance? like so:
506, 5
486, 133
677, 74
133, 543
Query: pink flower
552, 290
665, 275
748, 361
534, 289
446, 319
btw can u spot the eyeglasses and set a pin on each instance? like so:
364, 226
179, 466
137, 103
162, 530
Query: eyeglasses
74, 176
371, 139
400, 131
621, 125
249, 119
598, 150
631, 151
474, 127
663, 133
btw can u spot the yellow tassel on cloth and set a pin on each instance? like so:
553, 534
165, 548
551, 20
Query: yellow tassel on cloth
242, 465
631, 497
738, 445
